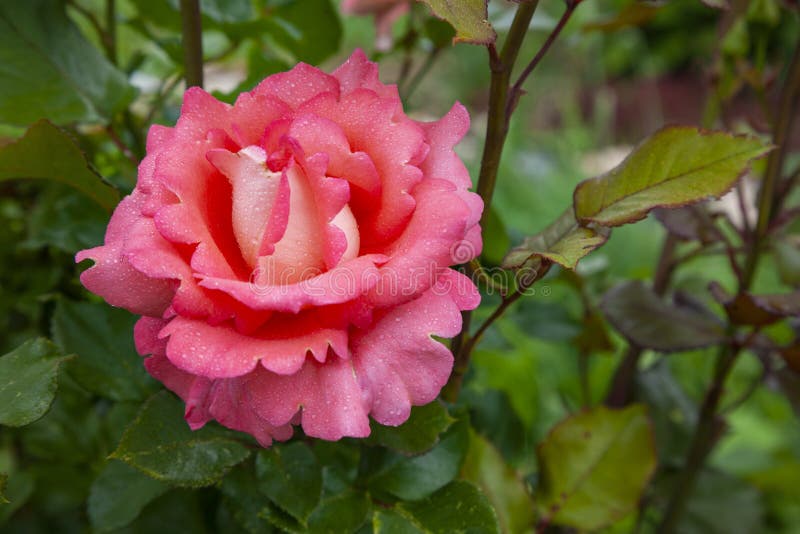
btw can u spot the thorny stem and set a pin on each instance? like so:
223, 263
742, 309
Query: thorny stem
497, 124
192, 31
709, 424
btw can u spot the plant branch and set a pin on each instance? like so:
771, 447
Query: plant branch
192, 30
516, 90
111, 31
709, 423
768, 202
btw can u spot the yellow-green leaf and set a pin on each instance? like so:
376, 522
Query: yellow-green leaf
594, 467
676, 166
468, 17
563, 242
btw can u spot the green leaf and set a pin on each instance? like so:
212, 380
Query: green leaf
241, 495
345, 512
674, 167
419, 476
418, 434
390, 521
29, 381
65, 219
310, 30
102, 337
594, 467
458, 507
119, 494
563, 242
468, 17
48, 69
160, 443
45, 152
291, 477
649, 322
3, 482
485, 467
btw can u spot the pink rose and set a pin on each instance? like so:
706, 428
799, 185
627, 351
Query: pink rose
385, 12
289, 254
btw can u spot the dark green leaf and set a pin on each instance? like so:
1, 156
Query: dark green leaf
102, 337
418, 434
119, 494
28, 381
457, 507
247, 504
47, 69
563, 242
582, 462
308, 29
160, 443
500, 483
345, 512
176, 512
674, 167
648, 322
419, 476
390, 521
47, 153
65, 219
291, 477
468, 17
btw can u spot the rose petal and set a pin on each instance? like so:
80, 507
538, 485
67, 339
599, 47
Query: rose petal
398, 364
220, 351
328, 394
114, 278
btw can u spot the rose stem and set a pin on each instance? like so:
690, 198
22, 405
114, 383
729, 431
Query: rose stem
192, 29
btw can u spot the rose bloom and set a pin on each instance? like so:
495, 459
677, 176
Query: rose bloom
386, 12
289, 254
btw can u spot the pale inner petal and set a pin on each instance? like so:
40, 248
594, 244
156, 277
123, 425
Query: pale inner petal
255, 189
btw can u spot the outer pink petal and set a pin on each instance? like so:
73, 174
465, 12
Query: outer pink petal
431, 238
360, 73
114, 278
298, 85
328, 394
442, 162
398, 363
231, 406
222, 352
347, 281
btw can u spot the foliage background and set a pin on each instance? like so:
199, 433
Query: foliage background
611, 79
